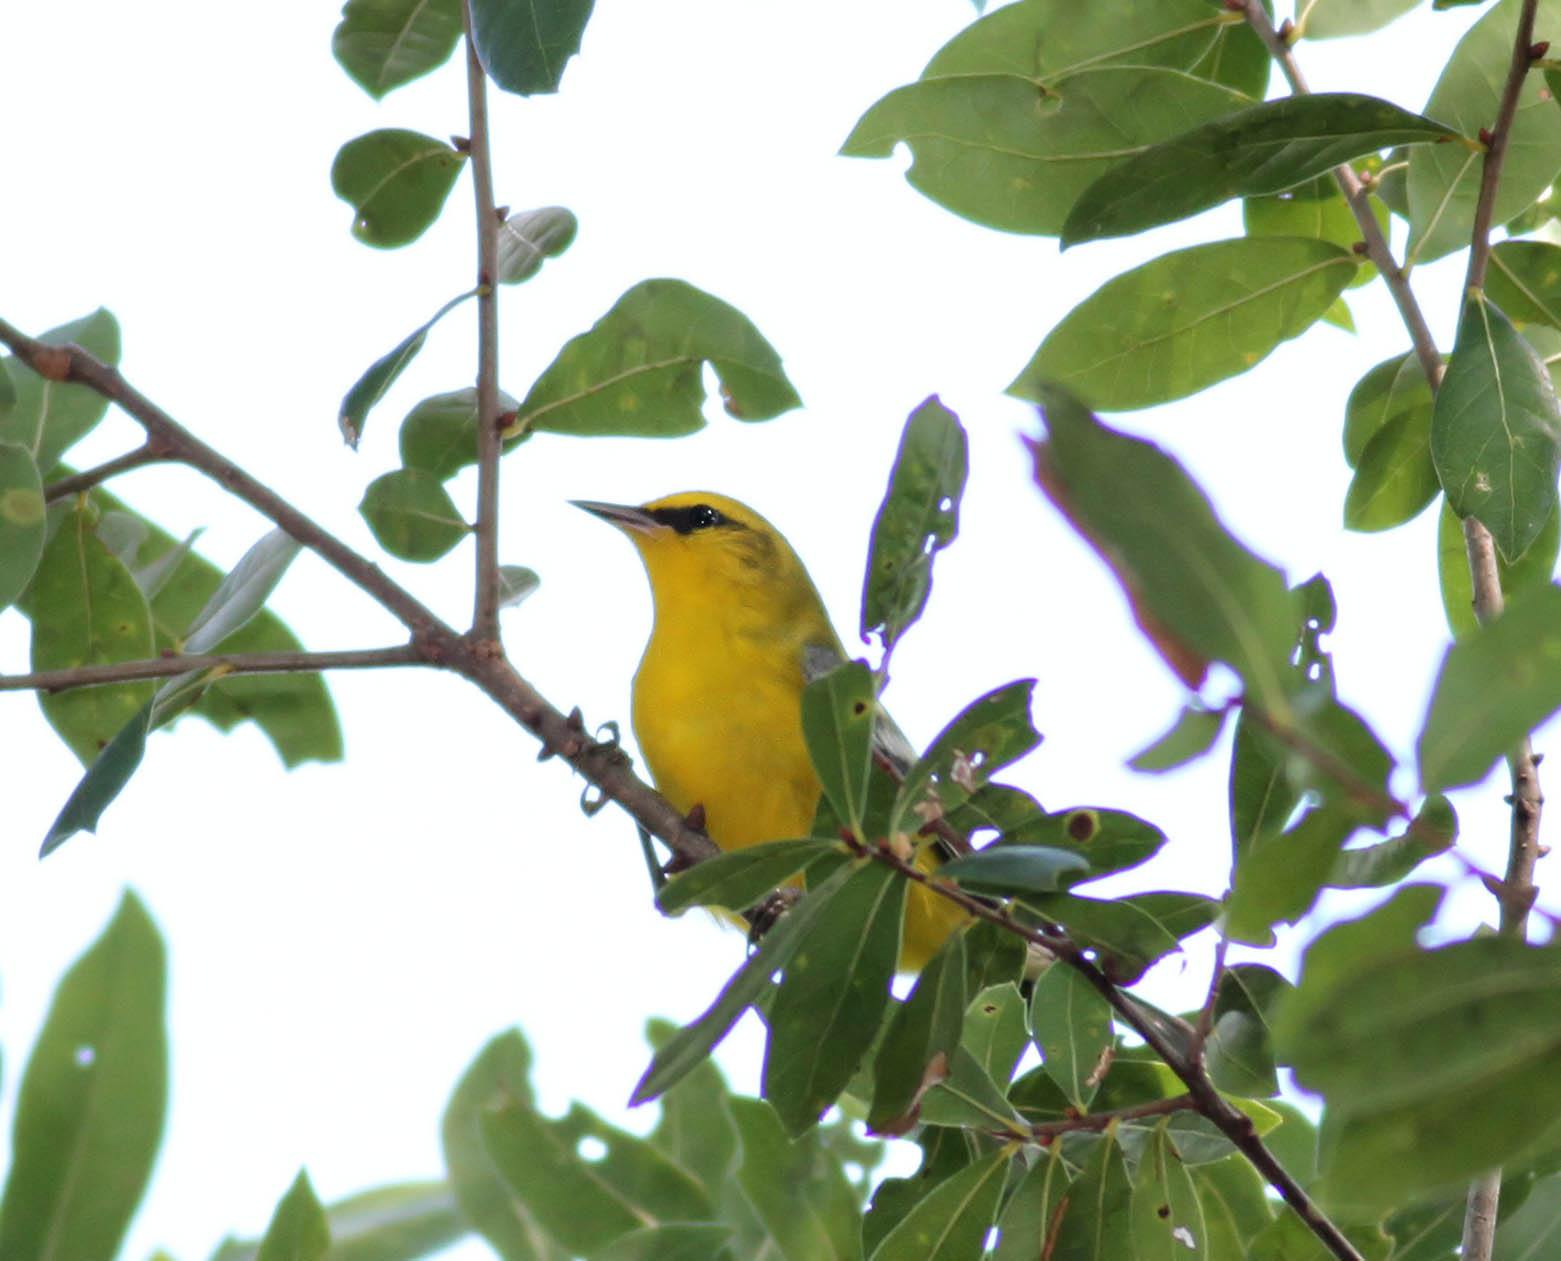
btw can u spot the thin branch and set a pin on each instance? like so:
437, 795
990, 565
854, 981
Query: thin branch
1227, 1118
1205, 1023
1358, 194
485, 611
1496, 146
232, 663
1095, 1121
149, 452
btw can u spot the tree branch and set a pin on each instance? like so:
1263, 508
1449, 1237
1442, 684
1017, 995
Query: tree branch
485, 611
149, 452
232, 663
1095, 1121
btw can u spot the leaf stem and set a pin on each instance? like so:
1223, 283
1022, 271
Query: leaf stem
485, 612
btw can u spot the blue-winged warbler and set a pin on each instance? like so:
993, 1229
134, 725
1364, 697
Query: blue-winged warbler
739, 631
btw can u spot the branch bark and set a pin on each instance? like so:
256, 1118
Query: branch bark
148, 453
232, 663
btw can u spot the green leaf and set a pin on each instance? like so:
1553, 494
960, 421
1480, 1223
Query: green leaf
1259, 150
89, 1112
1396, 478
1195, 590
86, 610
1262, 797
1396, 388
1496, 430
1535, 1228
516, 583
970, 1098
832, 996
738, 879
637, 372
671, 1241
23, 526
1387, 862
1443, 180
795, 1187
584, 1203
1235, 1208
1496, 685
988, 734
1531, 571
412, 516
1187, 319
382, 44
696, 1129
1109, 840
916, 1048
687, 1048
1316, 209
1095, 1221
1191, 736
1278, 879
298, 1229
372, 386
1026, 1221
950, 1223
524, 45
528, 239
396, 182
243, 592
1524, 281
1240, 1049
1332, 19
501, 1072
1167, 1216
838, 713
1007, 870
399, 1222
439, 434
1071, 1024
48, 417
1010, 151
1421, 1092
1128, 933
919, 517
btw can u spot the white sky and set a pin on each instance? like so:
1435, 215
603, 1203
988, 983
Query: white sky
344, 938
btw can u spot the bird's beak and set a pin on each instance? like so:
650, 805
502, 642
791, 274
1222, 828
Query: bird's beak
627, 518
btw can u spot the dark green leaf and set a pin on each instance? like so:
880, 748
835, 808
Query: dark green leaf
1095, 1221
1262, 797
985, 736
1240, 1048
671, 1241
1129, 933
106, 777
832, 996
1395, 479
1444, 180
412, 516
795, 1187
696, 1129
298, 1229
439, 434
1183, 321
368, 389
524, 45
382, 44
1496, 685
396, 182
1387, 862
502, 1072
89, 1112
1277, 880
1196, 591
47, 417
951, 1221
1496, 430
1255, 151
1535, 1228
1008, 151
528, 239
995, 1032
1007, 870
1531, 571
1167, 1216
1071, 1024
971, 1098
1331, 19
1342, 759
637, 372
1190, 737
686, 1049
22, 520
86, 610
399, 1222
920, 1040
1026, 1222
1234, 1205
1392, 390
1524, 281
994, 956
585, 1203
838, 713
738, 879
1109, 840
919, 517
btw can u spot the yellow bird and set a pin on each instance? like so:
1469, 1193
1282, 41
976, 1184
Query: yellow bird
739, 632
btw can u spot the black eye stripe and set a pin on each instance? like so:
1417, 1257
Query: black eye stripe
694, 517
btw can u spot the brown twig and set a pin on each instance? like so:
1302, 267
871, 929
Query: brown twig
485, 610
232, 663
1095, 1121
149, 452
1171, 1042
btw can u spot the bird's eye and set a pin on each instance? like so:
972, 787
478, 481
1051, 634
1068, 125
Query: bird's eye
703, 516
